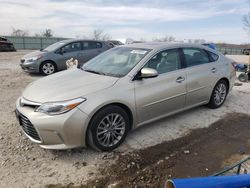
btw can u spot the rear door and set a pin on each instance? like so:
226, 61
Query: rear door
90, 50
202, 74
156, 97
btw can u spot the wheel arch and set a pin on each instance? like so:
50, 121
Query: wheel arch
226, 80
121, 105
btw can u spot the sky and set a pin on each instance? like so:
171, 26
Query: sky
212, 20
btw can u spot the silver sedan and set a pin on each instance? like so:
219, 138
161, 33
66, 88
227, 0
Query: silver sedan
119, 90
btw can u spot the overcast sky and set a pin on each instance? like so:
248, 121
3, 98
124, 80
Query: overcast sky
212, 20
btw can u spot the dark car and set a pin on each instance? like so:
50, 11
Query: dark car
6, 46
246, 51
114, 43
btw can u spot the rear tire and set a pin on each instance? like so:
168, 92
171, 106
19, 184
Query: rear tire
108, 128
219, 94
48, 67
243, 77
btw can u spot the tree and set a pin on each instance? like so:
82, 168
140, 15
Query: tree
246, 22
19, 32
47, 33
98, 34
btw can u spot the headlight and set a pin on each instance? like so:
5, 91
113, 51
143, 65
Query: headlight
34, 58
54, 108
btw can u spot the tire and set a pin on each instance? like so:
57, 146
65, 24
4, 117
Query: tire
48, 67
243, 77
101, 135
218, 95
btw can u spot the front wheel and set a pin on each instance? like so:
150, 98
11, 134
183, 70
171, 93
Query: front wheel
219, 94
108, 128
47, 68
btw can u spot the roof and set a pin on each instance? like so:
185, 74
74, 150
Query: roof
160, 45
73, 40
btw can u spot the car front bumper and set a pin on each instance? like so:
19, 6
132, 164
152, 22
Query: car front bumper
32, 67
64, 131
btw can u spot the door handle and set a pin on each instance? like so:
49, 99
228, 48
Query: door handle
180, 79
213, 70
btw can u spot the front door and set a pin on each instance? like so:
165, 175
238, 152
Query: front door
71, 50
162, 95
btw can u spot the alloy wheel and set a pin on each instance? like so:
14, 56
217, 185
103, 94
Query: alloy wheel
111, 129
220, 94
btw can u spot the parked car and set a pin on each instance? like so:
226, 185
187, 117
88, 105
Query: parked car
246, 51
210, 45
53, 58
6, 46
122, 89
116, 42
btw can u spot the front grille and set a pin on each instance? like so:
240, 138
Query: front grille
28, 128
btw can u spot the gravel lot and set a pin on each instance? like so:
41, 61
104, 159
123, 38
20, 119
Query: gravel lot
24, 164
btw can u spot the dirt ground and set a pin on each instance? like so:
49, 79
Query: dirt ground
24, 164
201, 153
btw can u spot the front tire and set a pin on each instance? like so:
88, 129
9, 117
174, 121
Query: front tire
219, 94
47, 68
108, 128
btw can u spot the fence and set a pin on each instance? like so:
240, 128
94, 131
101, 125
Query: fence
33, 43
230, 51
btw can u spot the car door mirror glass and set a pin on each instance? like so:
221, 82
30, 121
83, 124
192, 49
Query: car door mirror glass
148, 73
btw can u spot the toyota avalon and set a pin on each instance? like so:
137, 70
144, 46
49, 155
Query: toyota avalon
119, 90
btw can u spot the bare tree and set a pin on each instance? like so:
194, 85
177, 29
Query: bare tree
98, 34
47, 33
246, 22
19, 32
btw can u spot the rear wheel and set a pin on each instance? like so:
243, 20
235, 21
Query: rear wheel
108, 128
219, 94
243, 77
47, 68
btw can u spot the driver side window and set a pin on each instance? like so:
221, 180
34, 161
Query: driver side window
72, 47
165, 61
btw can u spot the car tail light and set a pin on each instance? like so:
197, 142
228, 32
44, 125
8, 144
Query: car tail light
234, 64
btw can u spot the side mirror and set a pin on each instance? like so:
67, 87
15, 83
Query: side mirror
148, 73
60, 51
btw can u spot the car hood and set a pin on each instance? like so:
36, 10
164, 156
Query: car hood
33, 54
66, 85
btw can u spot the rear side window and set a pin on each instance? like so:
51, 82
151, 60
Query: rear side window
212, 56
91, 45
195, 56
98, 45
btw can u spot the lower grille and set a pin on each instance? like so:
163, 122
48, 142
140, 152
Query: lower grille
28, 128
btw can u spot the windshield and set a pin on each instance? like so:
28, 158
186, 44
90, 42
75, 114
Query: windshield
115, 62
54, 46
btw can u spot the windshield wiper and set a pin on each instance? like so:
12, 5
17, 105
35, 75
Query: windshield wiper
92, 71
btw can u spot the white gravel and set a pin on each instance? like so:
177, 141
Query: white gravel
24, 164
